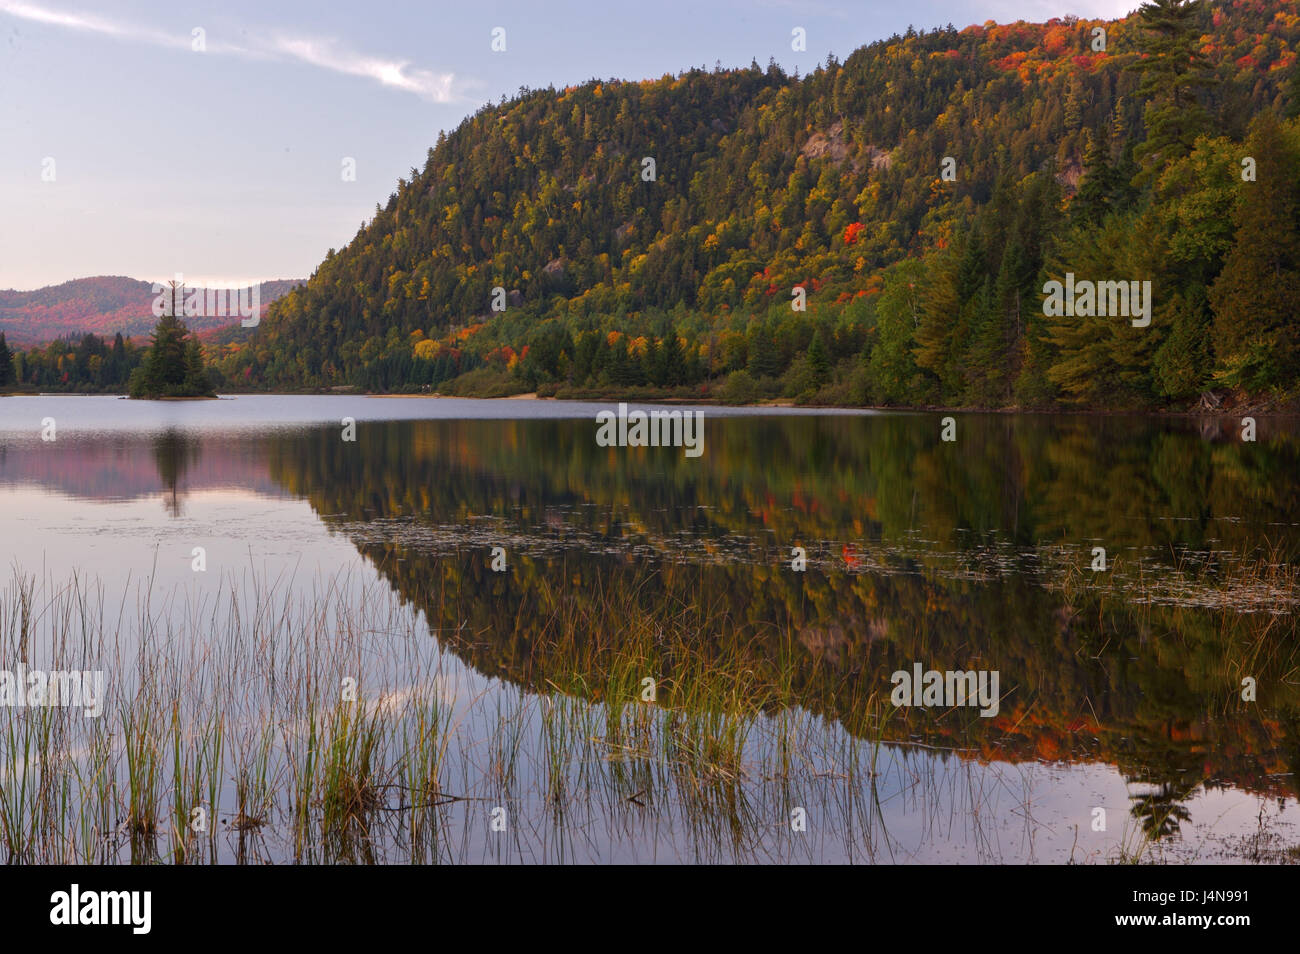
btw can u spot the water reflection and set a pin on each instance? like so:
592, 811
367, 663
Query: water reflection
174, 452
972, 555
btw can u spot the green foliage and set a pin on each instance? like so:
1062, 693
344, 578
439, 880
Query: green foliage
1121, 165
739, 388
892, 366
173, 366
1182, 362
819, 363
484, 383
1174, 70
84, 364
1256, 333
1105, 361
6, 362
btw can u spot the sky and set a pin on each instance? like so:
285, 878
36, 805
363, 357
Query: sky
147, 138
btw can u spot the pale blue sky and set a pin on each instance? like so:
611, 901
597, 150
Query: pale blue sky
225, 164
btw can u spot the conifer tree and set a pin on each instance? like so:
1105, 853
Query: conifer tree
6, 362
1256, 335
1292, 108
1097, 191
173, 366
1174, 71
818, 360
1182, 362
672, 361
764, 356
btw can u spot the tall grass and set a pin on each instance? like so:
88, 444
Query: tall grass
319, 720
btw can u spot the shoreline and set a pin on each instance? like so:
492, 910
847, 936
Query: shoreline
1287, 409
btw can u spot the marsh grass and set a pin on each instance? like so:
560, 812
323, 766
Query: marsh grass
318, 720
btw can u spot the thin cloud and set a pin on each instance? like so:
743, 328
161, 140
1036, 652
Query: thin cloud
327, 55
90, 24
320, 52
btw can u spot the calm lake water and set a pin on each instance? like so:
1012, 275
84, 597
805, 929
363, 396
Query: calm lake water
1121, 689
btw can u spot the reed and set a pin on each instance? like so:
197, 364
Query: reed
321, 720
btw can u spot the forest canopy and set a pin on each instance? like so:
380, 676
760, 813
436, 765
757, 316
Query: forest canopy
879, 231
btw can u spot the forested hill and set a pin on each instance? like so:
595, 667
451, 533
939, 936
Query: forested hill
923, 277
104, 305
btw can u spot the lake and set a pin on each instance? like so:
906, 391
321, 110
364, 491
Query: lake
457, 630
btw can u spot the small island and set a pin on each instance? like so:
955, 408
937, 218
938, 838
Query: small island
173, 365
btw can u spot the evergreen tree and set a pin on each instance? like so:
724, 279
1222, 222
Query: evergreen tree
6, 362
891, 367
818, 360
1182, 362
673, 361
992, 359
974, 266
1103, 361
941, 316
764, 357
1256, 335
1292, 108
173, 366
118, 357
1174, 71
196, 379
652, 368
625, 370
983, 359
1098, 190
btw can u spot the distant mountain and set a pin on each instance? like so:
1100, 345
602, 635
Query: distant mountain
104, 305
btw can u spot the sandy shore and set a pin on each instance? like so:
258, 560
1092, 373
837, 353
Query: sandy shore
532, 396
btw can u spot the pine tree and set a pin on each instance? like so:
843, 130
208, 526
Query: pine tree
6, 362
940, 315
891, 366
953, 306
1097, 191
196, 379
819, 361
992, 356
1256, 337
1292, 109
118, 357
1173, 71
974, 266
1104, 361
1076, 93
983, 355
652, 368
672, 360
173, 366
1182, 363
764, 356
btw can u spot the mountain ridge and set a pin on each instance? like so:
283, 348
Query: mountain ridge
102, 305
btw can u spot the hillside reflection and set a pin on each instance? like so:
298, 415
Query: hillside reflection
973, 557
966, 556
